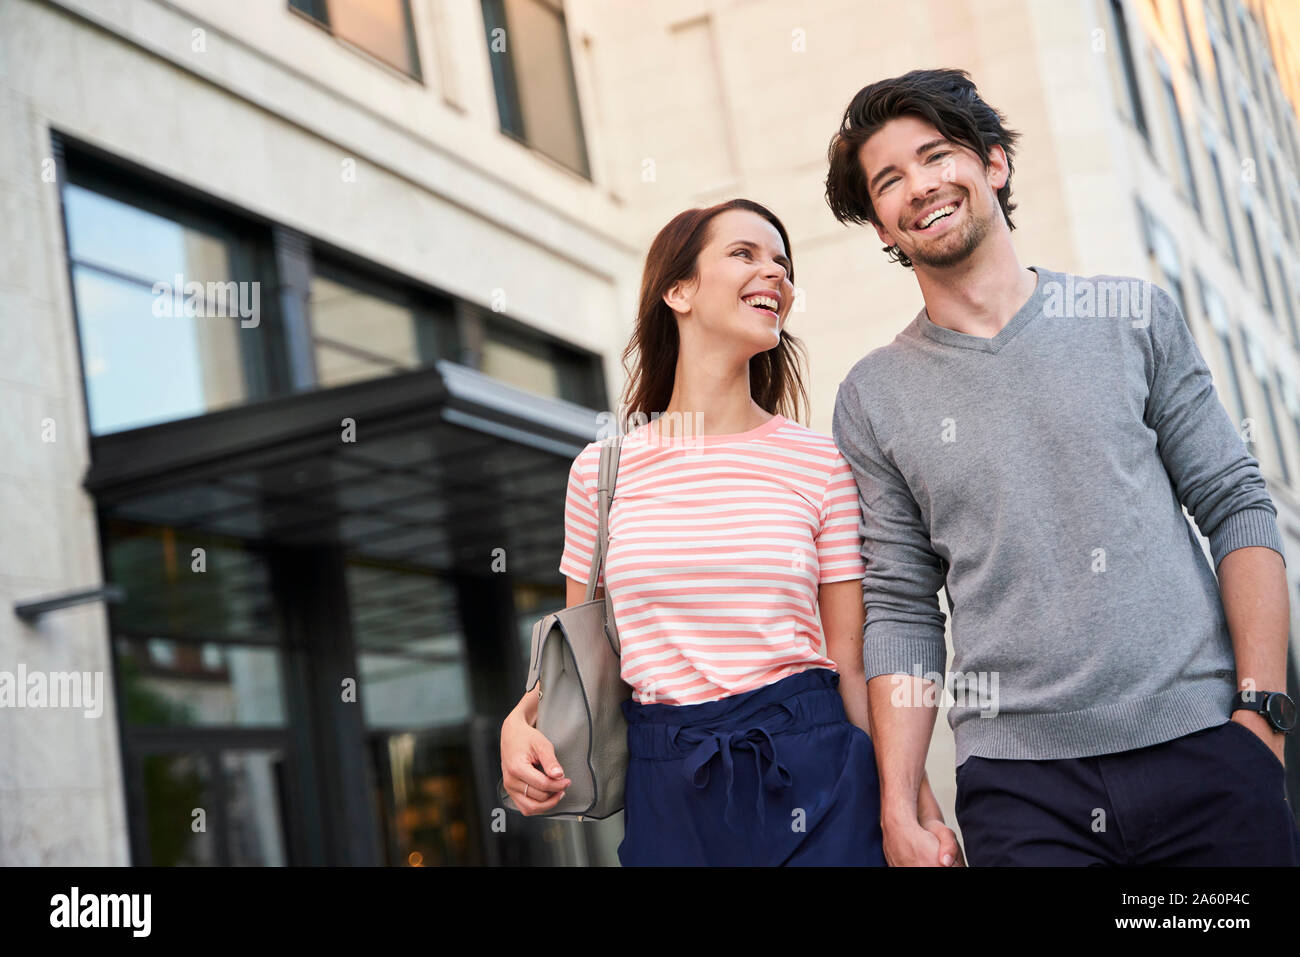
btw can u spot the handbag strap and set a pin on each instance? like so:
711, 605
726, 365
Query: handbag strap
610, 451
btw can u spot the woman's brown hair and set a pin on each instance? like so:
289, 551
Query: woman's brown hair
650, 359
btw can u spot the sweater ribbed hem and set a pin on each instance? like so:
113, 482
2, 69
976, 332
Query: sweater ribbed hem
1250, 526
1109, 729
902, 652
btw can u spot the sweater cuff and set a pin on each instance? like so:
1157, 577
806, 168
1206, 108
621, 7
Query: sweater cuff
1250, 526
895, 648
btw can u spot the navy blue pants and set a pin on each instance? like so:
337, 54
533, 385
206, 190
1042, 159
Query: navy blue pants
1213, 797
773, 776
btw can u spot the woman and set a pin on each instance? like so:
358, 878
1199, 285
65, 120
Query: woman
732, 530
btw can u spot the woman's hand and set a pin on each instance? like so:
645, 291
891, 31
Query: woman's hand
948, 846
525, 751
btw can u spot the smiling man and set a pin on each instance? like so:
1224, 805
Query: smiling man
1027, 440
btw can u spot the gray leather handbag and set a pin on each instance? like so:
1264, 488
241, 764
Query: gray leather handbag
576, 658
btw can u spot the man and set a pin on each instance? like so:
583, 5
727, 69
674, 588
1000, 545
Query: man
1027, 440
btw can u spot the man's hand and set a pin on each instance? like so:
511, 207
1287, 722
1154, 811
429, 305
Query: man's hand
1259, 725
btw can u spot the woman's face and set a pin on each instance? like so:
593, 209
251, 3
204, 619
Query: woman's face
742, 291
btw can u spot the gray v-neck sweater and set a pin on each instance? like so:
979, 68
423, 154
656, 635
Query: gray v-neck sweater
1041, 473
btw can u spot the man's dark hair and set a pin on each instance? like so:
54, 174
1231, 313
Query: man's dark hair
948, 100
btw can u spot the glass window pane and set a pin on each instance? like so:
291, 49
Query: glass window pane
377, 26
233, 685
1122, 62
222, 591
398, 691
154, 357
174, 785
142, 368
1180, 144
402, 611
539, 53
255, 807
411, 651
358, 335
115, 235
428, 807
521, 368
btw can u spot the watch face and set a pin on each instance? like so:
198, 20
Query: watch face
1282, 710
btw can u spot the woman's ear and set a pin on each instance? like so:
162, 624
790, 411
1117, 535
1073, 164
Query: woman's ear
678, 297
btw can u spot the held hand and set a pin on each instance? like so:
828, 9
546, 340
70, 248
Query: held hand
909, 844
948, 846
1260, 726
525, 751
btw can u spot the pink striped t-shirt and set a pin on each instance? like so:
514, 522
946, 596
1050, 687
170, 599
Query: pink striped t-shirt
717, 544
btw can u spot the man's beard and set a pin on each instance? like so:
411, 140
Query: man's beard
970, 235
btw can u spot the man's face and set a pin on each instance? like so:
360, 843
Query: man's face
912, 172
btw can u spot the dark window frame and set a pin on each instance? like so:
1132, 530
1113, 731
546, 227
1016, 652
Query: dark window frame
1221, 78
1128, 66
1225, 343
248, 237
1266, 293
1182, 150
432, 310
316, 12
1192, 63
1274, 426
1230, 231
505, 84
579, 372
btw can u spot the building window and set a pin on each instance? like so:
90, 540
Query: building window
1128, 68
1161, 247
1248, 46
1187, 41
1216, 311
1288, 293
1252, 229
514, 354
1229, 232
1221, 76
1179, 137
1291, 139
1259, 367
169, 304
1279, 197
1291, 399
1295, 212
200, 676
362, 328
1249, 149
532, 72
382, 28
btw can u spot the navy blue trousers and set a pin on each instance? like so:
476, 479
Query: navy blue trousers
773, 776
1213, 797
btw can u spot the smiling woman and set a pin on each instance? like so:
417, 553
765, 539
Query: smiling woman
699, 272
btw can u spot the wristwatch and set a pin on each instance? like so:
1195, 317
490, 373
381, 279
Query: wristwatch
1274, 705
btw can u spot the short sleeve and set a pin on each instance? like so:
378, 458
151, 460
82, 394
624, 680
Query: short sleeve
581, 520
839, 544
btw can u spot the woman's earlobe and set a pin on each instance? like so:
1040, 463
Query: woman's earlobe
675, 299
